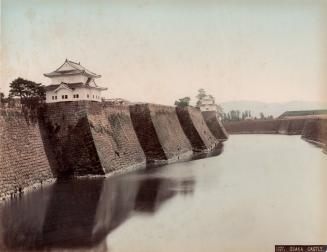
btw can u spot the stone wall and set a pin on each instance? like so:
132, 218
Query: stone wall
159, 132
23, 156
252, 127
68, 139
215, 125
315, 130
116, 142
196, 129
93, 138
71, 138
277, 126
291, 126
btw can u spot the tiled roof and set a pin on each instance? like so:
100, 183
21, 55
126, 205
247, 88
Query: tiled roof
75, 68
70, 85
304, 113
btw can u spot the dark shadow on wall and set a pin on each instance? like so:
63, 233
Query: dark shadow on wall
146, 133
49, 151
70, 147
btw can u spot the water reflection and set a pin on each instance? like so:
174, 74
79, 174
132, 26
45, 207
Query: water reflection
79, 214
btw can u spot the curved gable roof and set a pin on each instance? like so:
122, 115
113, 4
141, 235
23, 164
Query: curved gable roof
71, 68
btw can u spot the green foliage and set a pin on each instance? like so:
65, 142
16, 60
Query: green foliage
28, 91
183, 102
236, 115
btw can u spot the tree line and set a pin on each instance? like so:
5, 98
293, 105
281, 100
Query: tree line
29, 92
237, 115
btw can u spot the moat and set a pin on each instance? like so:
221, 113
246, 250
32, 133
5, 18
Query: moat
261, 190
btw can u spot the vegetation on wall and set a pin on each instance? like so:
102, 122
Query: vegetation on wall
29, 92
183, 102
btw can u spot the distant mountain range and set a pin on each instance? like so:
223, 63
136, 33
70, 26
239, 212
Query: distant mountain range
274, 109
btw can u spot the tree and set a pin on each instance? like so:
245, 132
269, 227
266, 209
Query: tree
183, 102
2, 97
262, 116
28, 91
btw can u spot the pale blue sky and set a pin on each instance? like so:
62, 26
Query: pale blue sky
158, 51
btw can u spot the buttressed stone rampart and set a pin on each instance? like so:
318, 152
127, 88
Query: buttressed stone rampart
215, 125
68, 139
92, 138
196, 129
160, 133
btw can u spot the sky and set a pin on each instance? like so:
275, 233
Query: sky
159, 51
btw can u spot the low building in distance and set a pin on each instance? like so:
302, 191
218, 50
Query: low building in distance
116, 101
72, 82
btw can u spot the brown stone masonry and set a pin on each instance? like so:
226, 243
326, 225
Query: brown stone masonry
291, 126
23, 158
71, 138
93, 138
68, 139
196, 129
159, 132
275, 126
146, 133
171, 136
215, 125
316, 130
115, 140
252, 127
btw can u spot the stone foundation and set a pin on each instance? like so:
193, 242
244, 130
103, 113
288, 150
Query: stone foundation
160, 133
84, 138
196, 129
215, 125
93, 138
24, 162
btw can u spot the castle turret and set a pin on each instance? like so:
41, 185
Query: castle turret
207, 103
72, 82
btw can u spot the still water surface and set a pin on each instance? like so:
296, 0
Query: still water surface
260, 191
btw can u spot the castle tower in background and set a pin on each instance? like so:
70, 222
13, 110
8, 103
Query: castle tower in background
72, 82
207, 103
